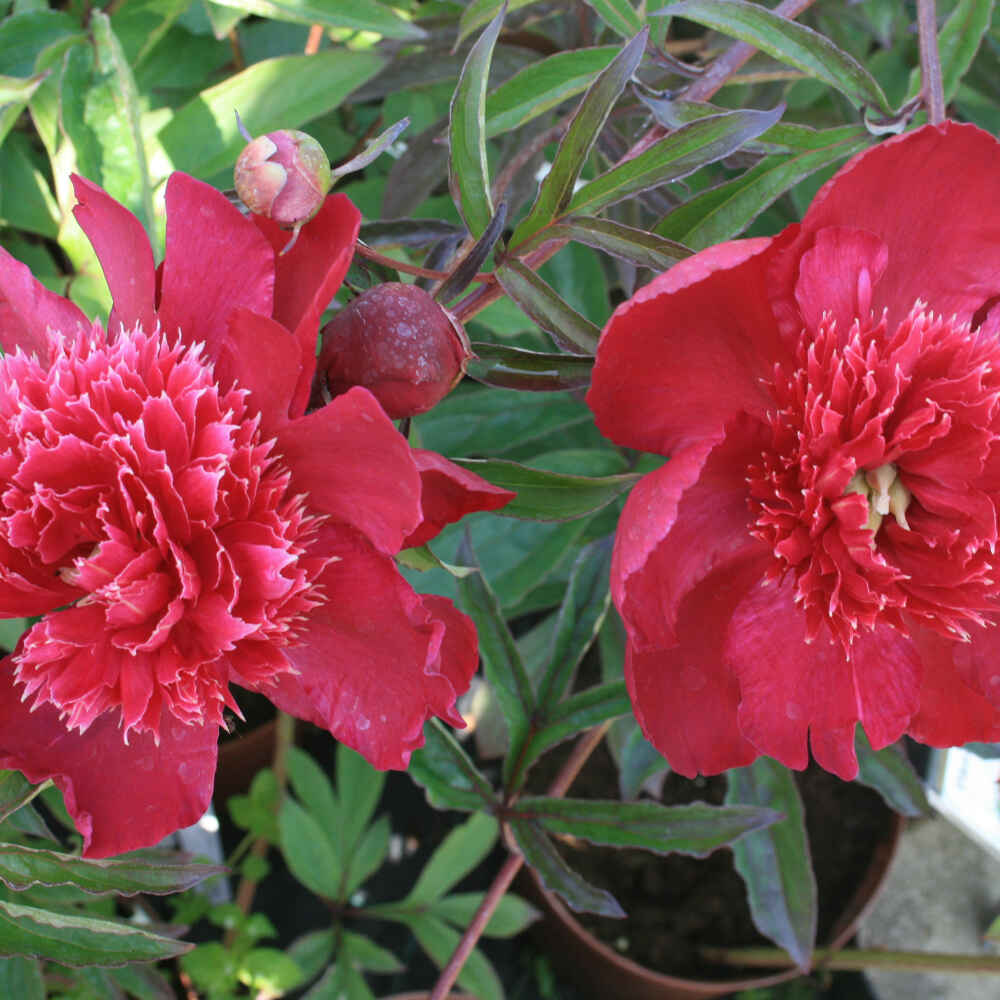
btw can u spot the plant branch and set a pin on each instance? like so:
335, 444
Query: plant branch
585, 746
930, 62
363, 250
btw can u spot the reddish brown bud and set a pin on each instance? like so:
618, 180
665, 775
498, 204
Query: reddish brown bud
396, 341
284, 175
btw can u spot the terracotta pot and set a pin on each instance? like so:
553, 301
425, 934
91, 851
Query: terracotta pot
425, 995
601, 972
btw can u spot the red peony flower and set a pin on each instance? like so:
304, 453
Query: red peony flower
183, 525
820, 549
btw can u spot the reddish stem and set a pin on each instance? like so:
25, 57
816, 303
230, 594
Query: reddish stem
363, 250
930, 62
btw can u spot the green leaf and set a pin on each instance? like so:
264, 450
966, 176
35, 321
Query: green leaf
696, 829
202, 138
544, 85
775, 863
360, 786
24, 36
557, 876
112, 63
361, 15
365, 954
144, 982
309, 851
440, 941
11, 629
15, 791
619, 15
315, 792
468, 171
788, 42
14, 96
639, 761
674, 156
624, 242
269, 972
341, 981
368, 855
458, 854
557, 187
528, 371
511, 916
157, 872
21, 979
891, 775
720, 214
74, 940
25, 199
568, 328
480, 12
549, 496
447, 774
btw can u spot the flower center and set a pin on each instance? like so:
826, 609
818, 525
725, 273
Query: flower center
141, 500
879, 488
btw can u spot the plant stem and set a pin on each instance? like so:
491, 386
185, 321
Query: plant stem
930, 62
363, 250
585, 746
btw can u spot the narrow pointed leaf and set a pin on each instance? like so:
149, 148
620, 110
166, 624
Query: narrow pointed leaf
480, 12
617, 239
544, 85
775, 863
373, 150
468, 172
368, 855
447, 774
568, 328
675, 156
788, 42
367, 955
464, 848
618, 15
15, 93
557, 876
15, 791
891, 775
314, 790
530, 371
80, 941
309, 852
359, 787
469, 266
511, 916
361, 15
408, 232
440, 941
557, 187
146, 872
639, 761
549, 496
21, 979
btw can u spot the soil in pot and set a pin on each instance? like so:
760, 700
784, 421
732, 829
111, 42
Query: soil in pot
677, 905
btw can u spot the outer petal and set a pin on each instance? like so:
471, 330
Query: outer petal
122, 246
790, 688
448, 492
951, 711
933, 197
308, 276
690, 350
263, 357
369, 666
216, 262
355, 466
684, 696
120, 797
28, 310
680, 524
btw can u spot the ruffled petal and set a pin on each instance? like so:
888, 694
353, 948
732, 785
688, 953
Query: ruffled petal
355, 466
28, 310
448, 492
685, 697
681, 523
216, 262
120, 797
933, 197
264, 357
790, 688
122, 247
308, 276
369, 666
458, 657
690, 350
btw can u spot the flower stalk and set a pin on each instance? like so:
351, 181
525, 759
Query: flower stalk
930, 62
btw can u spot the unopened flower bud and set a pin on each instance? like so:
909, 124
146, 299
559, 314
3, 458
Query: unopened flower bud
284, 175
397, 342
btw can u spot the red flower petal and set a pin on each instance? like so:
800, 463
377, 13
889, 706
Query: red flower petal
368, 665
308, 276
685, 697
790, 688
120, 797
681, 523
264, 357
216, 262
690, 350
933, 197
28, 309
355, 466
448, 492
122, 247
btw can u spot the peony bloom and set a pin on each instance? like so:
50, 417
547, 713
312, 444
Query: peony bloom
183, 525
820, 549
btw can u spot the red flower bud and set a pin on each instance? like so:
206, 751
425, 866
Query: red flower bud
284, 175
397, 342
